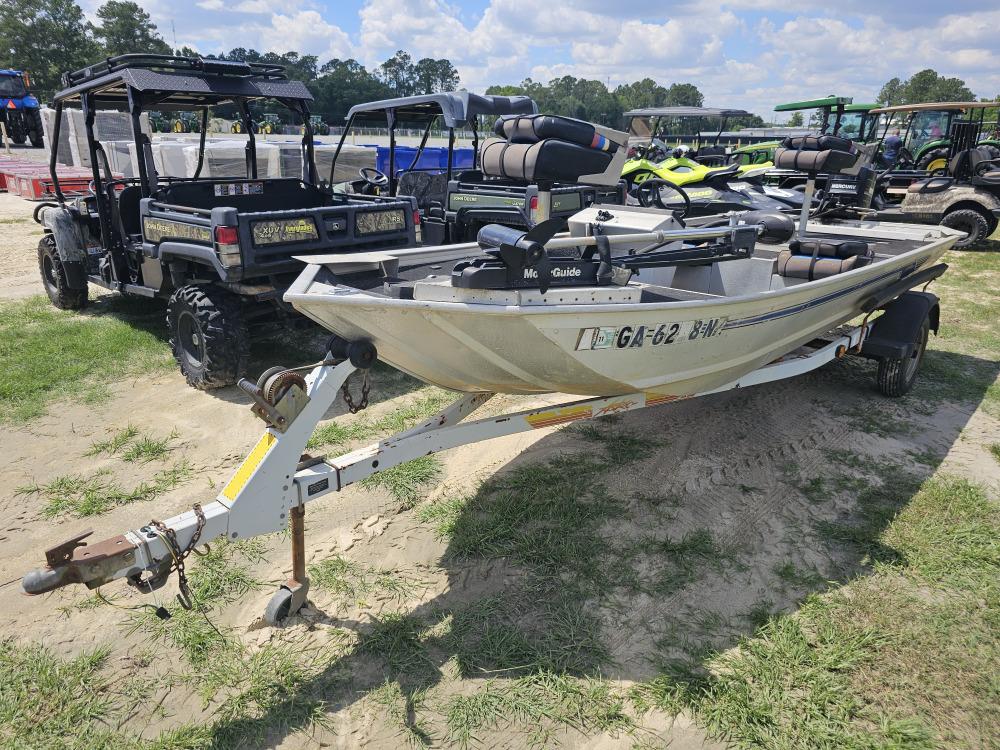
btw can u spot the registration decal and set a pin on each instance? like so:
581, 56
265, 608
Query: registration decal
640, 336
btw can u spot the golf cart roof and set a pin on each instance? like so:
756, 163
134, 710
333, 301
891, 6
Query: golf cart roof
456, 107
687, 112
826, 101
936, 105
169, 81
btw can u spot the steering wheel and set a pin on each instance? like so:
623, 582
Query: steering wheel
904, 158
651, 192
373, 177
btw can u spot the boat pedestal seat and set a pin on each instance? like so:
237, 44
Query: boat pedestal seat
812, 259
825, 153
548, 148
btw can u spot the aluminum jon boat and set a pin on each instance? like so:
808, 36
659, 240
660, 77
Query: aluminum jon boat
691, 314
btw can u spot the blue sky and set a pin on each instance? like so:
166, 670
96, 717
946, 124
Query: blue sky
741, 53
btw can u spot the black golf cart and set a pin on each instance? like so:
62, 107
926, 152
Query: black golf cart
221, 249
456, 199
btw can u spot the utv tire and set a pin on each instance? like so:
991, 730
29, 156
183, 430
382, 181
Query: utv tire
35, 132
208, 336
972, 222
939, 155
895, 377
54, 278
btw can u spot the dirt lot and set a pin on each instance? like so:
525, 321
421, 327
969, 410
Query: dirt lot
660, 553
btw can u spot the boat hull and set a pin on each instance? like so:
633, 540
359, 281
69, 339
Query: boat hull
671, 348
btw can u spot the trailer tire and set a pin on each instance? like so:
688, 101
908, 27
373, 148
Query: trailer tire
54, 278
208, 336
972, 222
896, 375
35, 131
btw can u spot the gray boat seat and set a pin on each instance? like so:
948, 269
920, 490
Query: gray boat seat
548, 148
813, 259
825, 153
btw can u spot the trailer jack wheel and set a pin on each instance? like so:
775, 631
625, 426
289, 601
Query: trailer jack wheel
291, 597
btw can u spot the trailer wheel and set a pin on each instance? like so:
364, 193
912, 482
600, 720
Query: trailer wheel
54, 277
896, 376
975, 225
278, 607
208, 336
35, 132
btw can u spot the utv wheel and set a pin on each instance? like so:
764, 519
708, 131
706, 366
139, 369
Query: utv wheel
975, 225
895, 377
208, 335
54, 278
35, 132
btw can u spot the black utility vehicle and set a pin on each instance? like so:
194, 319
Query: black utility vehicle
457, 200
222, 250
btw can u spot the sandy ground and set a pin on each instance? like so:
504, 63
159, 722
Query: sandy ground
736, 462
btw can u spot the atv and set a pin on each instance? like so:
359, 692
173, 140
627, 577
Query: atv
220, 251
19, 110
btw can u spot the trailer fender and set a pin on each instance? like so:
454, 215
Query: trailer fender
71, 245
894, 334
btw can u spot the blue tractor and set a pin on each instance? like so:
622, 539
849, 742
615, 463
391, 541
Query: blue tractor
19, 110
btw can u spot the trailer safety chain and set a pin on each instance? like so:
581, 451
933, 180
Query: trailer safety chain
366, 387
169, 537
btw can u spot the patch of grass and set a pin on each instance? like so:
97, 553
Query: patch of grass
96, 600
401, 711
49, 702
620, 445
792, 575
683, 561
395, 640
48, 354
760, 613
147, 448
351, 580
539, 704
92, 494
115, 443
336, 434
220, 575
994, 449
405, 482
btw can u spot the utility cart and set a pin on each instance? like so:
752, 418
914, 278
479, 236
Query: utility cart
457, 200
221, 249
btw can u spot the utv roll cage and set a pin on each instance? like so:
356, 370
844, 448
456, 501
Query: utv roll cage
135, 82
456, 110
655, 120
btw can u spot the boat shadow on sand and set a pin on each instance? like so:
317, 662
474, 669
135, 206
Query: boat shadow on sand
641, 545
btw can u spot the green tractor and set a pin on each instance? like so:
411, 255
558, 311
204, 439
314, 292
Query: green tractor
927, 130
158, 123
834, 115
319, 126
186, 122
268, 124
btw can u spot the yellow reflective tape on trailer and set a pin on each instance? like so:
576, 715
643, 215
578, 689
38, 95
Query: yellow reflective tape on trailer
249, 466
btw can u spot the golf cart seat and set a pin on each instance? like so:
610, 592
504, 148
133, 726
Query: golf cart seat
978, 165
826, 153
812, 259
430, 190
984, 166
545, 148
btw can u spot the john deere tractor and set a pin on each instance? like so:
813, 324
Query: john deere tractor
927, 131
269, 123
19, 109
186, 122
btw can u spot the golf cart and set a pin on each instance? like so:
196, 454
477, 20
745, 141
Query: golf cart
19, 110
456, 200
699, 179
222, 250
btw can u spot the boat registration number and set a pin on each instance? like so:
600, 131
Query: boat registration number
657, 334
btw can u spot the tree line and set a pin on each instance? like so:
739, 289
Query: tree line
49, 37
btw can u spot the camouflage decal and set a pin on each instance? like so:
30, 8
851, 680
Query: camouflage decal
157, 230
284, 231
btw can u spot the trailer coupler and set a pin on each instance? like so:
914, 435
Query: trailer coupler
75, 561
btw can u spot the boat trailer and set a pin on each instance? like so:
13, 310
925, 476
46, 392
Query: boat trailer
269, 490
